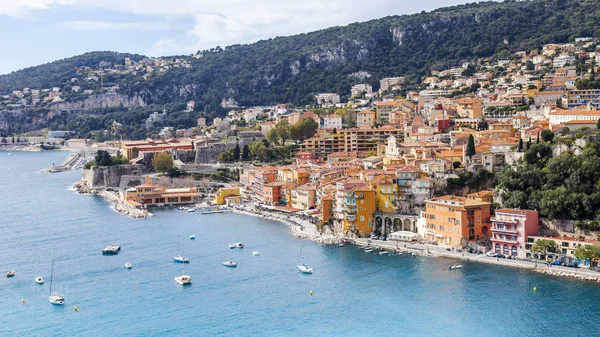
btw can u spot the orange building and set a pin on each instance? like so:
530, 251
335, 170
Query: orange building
359, 207
326, 207
149, 194
502, 130
452, 221
134, 149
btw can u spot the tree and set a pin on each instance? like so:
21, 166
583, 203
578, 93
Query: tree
226, 156
334, 131
588, 252
598, 125
103, 158
273, 136
304, 129
245, 152
174, 172
538, 138
283, 130
543, 246
456, 164
470, 152
528, 144
162, 162
547, 136
236, 152
520, 145
4, 140
258, 150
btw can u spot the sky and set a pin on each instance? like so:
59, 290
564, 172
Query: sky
33, 32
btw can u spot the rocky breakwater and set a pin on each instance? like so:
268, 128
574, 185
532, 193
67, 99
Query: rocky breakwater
579, 274
112, 197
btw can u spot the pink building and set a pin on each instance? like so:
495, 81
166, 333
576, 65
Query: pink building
510, 228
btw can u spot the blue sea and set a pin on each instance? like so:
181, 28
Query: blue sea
354, 293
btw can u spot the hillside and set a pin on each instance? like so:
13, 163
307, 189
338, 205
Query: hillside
291, 69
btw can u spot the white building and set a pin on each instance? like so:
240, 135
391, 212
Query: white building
562, 60
561, 116
360, 88
327, 99
332, 122
391, 83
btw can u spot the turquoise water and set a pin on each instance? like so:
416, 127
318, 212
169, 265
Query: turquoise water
354, 293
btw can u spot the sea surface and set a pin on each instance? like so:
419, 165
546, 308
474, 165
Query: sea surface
354, 293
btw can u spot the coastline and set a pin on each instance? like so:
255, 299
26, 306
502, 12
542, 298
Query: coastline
304, 230
113, 199
20, 148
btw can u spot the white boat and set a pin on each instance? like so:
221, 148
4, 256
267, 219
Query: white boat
179, 258
256, 253
384, 252
236, 245
183, 280
10, 273
368, 250
305, 269
340, 245
456, 266
191, 210
413, 254
229, 264
111, 250
128, 265
192, 237
39, 280
55, 298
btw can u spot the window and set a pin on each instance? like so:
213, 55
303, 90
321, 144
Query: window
362, 218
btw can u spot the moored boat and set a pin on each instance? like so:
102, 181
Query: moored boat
256, 253
305, 269
192, 237
55, 298
229, 264
236, 245
456, 266
183, 280
111, 250
10, 273
128, 265
39, 280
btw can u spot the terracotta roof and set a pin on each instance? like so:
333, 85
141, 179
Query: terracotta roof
559, 112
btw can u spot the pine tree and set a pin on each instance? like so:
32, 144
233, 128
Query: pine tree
245, 152
538, 139
528, 144
520, 145
470, 152
236, 152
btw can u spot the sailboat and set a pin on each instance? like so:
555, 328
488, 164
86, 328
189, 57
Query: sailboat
55, 298
183, 279
303, 268
179, 258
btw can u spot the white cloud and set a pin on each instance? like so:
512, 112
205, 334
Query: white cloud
224, 22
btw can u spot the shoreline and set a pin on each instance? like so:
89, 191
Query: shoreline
115, 202
298, 230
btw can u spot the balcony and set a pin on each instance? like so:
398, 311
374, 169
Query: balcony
494, 219
508, 230
505, 239
350, 209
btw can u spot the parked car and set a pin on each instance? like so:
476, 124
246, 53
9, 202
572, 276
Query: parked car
501, 256
491, 254
374, 237
572, 265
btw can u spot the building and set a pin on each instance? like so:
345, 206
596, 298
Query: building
304, 196
383, 111
391, 83
201, 122
386, 196
332, 122
149, 194
58, 134
561, 116
469, 108
155, 117
227, 193
366, 117
565, 248
327, 99
576, 98
502, 130
359, 207
135, 149
453, 221
510, 229
359, 89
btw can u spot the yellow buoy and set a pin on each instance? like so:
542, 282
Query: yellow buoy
23, 300
75, 308
311, 292
534, 289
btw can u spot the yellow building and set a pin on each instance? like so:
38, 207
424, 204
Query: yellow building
226, 193
386, 197
359, 207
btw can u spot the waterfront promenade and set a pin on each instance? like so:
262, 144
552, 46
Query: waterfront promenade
305, 229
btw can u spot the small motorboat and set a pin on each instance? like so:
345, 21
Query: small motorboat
305, 269
256, 253
192, 237
10, 273
236, 245
111, 250
384, 252
183, 280
128, 265
368, 250
229, 264
340, 244
456, 266
413, 254
181, 259
191, 210
39, 280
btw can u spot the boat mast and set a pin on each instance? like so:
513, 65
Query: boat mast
51, 275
